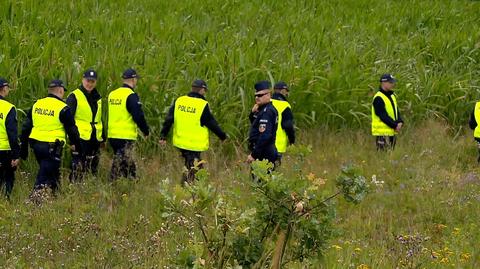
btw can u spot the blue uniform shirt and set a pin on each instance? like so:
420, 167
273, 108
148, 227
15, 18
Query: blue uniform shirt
263, 132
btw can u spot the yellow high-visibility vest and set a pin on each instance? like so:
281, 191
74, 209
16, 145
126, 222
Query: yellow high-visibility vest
379, 128
188, 133
47, 126
84, 118
120, 121
5, 108
476, 114
281, 140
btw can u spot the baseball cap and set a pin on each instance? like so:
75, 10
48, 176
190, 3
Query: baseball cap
130, 73
90, 74
199, 83
262, 85
388, 78
3, 82
56, 83
281, 86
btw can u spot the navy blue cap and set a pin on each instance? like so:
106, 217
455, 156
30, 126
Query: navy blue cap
199, 83
388, 78
130, 73
280, 86
90, 74
3, 82
262, 85
56, 83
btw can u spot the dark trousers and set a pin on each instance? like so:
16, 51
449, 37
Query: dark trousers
48, 175
190, 157
7, 172
85, 162
123, 164
385, 142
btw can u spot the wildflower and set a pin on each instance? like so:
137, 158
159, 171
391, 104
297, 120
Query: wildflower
464, 257
337, 247
358, 249
363, 266
444, 260
435, 255
311, 176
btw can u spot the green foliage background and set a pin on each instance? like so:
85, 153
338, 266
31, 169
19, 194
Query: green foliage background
330, 52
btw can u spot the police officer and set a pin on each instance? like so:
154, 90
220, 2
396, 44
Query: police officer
191, 119
285, 129
9, 148
124, 115
474, 120
386, 119
46, 126
264, 119
86, 105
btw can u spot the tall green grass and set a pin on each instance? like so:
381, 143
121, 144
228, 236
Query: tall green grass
330, 52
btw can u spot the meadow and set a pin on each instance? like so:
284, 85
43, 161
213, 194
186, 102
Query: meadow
423, 207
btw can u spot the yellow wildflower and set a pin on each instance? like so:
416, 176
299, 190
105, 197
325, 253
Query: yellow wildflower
337, 247
465, 257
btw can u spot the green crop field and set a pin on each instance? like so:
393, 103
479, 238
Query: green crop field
422, 209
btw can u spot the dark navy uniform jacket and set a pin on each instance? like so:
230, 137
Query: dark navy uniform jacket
263, 132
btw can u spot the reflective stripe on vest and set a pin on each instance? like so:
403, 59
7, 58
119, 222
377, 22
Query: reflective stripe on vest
379, 128
188, 133
476, 133
5, 108
47, 126
84, 119
281, 140
120, 121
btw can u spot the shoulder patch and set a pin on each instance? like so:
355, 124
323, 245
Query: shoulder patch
262, 127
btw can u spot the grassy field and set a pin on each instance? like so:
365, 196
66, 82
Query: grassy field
423, 209
427, 191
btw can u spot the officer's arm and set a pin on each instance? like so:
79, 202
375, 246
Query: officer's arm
72, 103
66, 118
26, 130
381, 112
399, 116
252, 116
167, 124
134, 107
209, 121
267, 121
12, 132
287, 124
473, 122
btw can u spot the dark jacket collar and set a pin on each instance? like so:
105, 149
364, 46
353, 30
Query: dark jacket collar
279, 96
387, 93
2, 98
260, 108
127, 86
196, 95
54, 96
